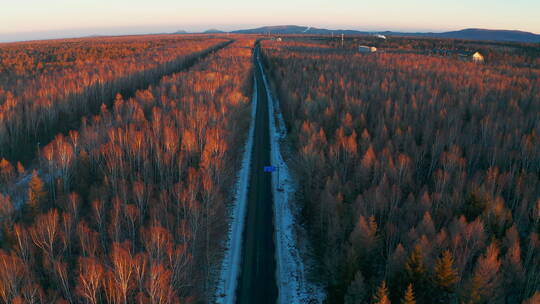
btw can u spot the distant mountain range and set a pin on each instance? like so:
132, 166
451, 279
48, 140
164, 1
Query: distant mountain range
213, 31
295, 29
470, 34
497, 35
209, 31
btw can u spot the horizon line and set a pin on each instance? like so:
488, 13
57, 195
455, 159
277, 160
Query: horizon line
58, 34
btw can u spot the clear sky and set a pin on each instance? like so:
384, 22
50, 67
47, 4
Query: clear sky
36, 19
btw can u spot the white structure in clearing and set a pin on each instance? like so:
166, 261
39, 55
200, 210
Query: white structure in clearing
477, 57
367, 49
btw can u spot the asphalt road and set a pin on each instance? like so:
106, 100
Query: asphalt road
257, 284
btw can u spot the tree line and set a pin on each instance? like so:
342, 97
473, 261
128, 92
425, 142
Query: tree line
420, 174
46, 87
131, 207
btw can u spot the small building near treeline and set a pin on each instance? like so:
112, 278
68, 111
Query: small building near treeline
477, 57
367, 49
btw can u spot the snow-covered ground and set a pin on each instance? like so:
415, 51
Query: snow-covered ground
291, 277
293, 284
230, 267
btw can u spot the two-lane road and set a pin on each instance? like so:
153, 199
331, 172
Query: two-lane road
257, 283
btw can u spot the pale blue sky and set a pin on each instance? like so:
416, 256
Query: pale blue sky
34, 19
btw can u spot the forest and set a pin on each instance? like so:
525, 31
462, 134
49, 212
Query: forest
129, 144
47, 86
419, 174
416, 170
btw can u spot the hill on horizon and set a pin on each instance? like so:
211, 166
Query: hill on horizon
469, 34
213, 31
484, 34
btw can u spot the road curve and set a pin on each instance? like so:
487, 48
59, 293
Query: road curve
257, 283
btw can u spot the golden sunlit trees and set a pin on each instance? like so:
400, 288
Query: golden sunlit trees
36, 193
381, 295
438, 152
138, 193
408, 297
45, 232
444, 277
90, 279
11, 276
49, 89
122, 272
486, 279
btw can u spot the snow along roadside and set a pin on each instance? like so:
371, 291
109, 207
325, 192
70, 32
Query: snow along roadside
230, 266
293, 285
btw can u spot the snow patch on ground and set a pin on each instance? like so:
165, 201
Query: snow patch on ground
293, 284
231, 264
